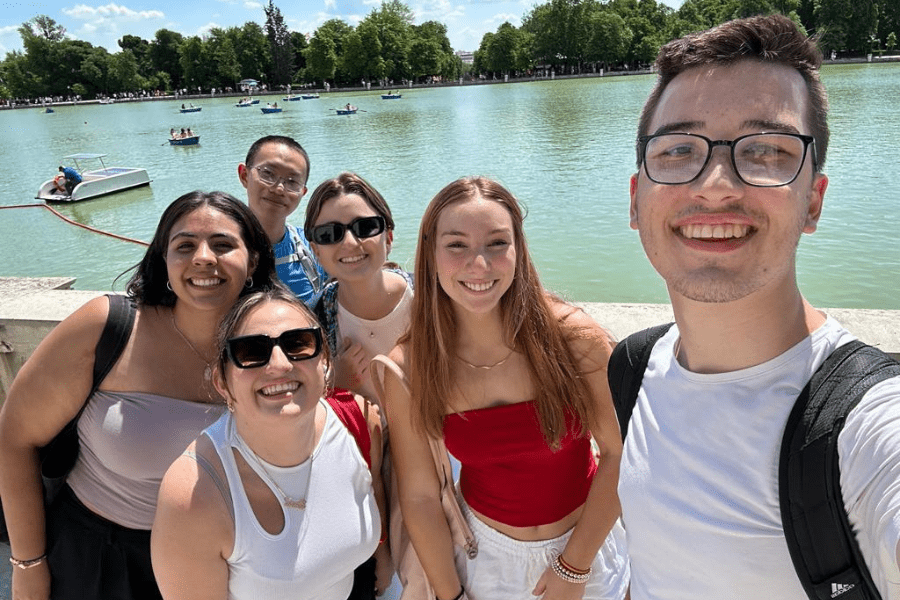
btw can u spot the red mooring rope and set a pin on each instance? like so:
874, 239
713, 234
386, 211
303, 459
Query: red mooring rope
82, 225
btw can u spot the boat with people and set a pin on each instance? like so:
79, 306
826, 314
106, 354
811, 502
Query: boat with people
291, 98
244, 102
270, 108
349, 109
94, 182
391, 96
48, 110
190, 109
314, 96
190, 140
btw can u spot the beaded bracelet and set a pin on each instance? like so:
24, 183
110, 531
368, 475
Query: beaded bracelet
27, 564
567, 574
569, 567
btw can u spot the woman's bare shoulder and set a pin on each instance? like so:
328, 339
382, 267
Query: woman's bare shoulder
586, 336
194, 484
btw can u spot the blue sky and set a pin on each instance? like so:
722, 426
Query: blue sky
103, 23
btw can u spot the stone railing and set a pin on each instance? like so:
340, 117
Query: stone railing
30, 308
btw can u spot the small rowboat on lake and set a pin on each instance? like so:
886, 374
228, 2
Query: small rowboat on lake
191, 140
310, 96
98, 182
291, 98
391, 96
192, 109
270, 109
347, 110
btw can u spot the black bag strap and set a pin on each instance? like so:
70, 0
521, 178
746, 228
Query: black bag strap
115, 335
58, 457
821, 541
625, 371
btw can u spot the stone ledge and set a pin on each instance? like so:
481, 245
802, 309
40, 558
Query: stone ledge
27, 315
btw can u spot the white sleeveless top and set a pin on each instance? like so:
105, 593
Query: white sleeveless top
314, 556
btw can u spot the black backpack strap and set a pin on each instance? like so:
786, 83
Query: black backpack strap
113, 339
58, 457
625, 371
821, 541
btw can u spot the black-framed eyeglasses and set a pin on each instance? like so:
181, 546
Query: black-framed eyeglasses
251, 351
268, 177
759, 159
362, 227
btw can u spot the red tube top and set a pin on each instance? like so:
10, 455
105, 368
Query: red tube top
509, 474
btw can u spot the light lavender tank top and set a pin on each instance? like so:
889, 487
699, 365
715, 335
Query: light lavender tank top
128, 441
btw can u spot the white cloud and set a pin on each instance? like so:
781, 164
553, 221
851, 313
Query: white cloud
250, 5
204, 30
331, 4
111, 12
501, 18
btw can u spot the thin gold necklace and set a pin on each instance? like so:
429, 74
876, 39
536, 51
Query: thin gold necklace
286, 501
207, 372
486, 367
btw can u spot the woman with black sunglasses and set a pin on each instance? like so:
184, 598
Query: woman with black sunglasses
514, 380
275, 500
93, 542
365, 308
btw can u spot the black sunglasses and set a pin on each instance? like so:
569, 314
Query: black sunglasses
333, 233
251, 351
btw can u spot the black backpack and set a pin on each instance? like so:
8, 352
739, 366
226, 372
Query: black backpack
820, 539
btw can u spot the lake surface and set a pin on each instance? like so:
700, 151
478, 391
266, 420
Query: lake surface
564, 147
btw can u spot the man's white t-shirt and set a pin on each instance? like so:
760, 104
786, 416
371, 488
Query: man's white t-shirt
699, 476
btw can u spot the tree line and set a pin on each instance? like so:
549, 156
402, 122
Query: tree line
387, 48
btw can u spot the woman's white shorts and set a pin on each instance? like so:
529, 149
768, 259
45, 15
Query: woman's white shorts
508, 569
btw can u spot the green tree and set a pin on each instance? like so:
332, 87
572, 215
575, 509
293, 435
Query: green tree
123, 72
225, 69
194, 64
392, 24
252, 50
431, 52
324, 47
44, 27
610, 38
165, 56
298, 45
279, 45
140, 48
846, 24
94, 73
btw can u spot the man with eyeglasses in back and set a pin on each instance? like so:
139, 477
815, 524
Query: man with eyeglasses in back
731, 145
274, 175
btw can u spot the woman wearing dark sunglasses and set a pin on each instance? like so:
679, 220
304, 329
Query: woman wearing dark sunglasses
365, 308
207, 251
514, 380
275, 500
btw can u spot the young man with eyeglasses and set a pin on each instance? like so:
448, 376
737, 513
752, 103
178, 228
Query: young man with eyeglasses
730, 148
274, 175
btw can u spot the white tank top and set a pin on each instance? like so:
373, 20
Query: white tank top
314, 556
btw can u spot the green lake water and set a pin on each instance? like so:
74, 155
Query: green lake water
564, 147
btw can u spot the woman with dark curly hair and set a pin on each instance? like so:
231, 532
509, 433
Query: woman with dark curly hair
93, 541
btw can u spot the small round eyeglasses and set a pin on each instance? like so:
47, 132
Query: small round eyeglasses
759, 159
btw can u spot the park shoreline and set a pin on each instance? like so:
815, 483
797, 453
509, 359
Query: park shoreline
370, 88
